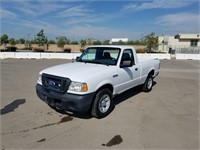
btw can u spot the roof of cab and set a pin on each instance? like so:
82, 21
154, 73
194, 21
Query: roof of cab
116, 46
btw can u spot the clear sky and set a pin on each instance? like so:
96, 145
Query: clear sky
101, 20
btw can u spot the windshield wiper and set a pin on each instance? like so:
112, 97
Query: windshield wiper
94, 61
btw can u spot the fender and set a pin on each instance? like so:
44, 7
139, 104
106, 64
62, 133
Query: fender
103, 83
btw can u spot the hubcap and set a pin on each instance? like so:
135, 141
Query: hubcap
149, 83
104, 103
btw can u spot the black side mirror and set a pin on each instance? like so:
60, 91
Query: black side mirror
77, 58
126, 63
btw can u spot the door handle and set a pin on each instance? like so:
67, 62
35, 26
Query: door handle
116, 75
136, 69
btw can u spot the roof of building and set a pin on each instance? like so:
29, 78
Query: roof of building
119, 39
187, 36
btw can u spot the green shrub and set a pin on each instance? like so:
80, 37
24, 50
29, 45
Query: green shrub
82, 50
11, 48
67, 50
38, 49
140, 50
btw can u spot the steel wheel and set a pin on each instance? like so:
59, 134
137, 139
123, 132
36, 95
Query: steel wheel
149, 83
147, 86
104, 103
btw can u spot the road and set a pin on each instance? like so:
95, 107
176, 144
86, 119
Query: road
165, 118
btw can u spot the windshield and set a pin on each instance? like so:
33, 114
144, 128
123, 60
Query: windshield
100, 55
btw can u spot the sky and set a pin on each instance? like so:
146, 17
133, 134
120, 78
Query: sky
98, 19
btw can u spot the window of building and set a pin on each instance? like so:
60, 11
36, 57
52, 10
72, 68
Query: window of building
194, 43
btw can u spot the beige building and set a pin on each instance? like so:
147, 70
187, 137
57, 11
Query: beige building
180, 43
116, 40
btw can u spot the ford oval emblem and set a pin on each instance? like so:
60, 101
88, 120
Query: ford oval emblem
52, 83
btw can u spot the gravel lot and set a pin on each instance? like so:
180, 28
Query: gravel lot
166, 118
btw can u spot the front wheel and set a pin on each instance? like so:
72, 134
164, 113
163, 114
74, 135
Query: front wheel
147, 87
103, 104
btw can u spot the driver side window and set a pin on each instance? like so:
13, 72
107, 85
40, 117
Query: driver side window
127, 55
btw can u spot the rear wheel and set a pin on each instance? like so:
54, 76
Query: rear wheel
103, 104
147, 87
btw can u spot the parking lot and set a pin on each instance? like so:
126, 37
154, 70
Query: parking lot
165, 118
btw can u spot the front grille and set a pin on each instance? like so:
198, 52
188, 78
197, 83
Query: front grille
55, 83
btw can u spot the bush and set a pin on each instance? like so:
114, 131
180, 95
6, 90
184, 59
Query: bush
143, 50
140, 50
23, 48
11, 48
82, 50
157, 52
67, 50
38, 49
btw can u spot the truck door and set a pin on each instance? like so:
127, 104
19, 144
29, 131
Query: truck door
128, 76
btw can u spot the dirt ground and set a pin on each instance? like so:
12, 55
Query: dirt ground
165, 118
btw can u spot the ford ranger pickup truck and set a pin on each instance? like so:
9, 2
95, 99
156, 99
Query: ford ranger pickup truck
90, 83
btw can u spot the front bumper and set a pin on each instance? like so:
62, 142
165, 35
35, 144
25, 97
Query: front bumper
67, 101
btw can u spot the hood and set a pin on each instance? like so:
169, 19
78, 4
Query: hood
76, 71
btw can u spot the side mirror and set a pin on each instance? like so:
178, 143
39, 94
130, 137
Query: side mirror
126, 63
77, 58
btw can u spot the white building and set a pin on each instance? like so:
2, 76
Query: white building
187, 43
116, 40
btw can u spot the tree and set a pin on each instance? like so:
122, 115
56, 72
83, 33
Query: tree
121, 42
61, 41
74, 42
4, 39
83, 43
17, 41
106, 42
41, 39
22, 41
51, 42
33, 41
12, 41
97, 42
137, 42
151, 41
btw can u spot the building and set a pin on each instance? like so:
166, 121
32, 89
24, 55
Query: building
116, 40
180, 43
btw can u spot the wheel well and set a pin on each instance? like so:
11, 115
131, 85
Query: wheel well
151, 72
108, 86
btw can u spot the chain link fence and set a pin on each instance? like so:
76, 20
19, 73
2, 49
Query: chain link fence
183, 50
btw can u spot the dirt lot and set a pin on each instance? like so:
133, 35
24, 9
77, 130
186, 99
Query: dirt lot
167, 117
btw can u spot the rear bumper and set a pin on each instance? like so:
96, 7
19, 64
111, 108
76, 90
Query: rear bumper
67, 101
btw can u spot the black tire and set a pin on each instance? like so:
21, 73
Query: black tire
147, 86
103, 104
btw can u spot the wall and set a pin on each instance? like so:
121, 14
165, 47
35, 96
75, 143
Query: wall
32, 55
55, 48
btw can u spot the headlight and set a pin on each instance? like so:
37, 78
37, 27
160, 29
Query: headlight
39, 80
78, 87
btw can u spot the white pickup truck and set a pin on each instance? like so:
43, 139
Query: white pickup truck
90, 83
